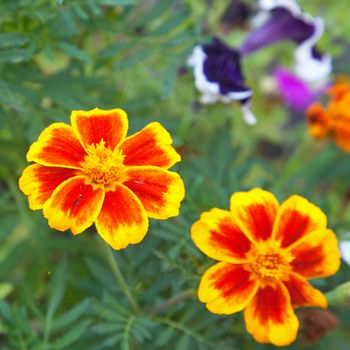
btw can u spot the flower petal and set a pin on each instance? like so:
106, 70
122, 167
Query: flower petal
123, 219
342, 135
150, 146
160, 191
296, 218
227, 288
295, 92
270, 317
319, 121
218, 74
38, 182
283, 23
255, 212
91, 127
217, 235
316, 255
302, 293
75, 204
57, 146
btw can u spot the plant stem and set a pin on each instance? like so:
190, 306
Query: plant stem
172, 301
119, 276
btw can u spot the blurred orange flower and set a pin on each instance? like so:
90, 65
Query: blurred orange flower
334, 120
266, 254
89, 172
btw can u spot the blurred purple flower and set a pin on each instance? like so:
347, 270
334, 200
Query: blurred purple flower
284, 20
218, 76
217, 67
296, 93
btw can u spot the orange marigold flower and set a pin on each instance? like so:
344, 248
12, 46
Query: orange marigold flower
334, 120
90, 172
266, 253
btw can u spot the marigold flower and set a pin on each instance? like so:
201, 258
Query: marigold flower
89, 172
266, 254
334, 120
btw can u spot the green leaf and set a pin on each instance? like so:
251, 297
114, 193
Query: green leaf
112, 340
155, 11
9, 97
73, 51
102, 275
116, 48
170, 24
57, 288
183, 342
6, 311
71, 336
134, 58
15, 55
71, 315
170, 77
8, 40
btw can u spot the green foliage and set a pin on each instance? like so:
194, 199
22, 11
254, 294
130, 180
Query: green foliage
58, 292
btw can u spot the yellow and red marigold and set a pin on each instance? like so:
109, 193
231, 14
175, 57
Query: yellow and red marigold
90, 172
334, 120
266, 253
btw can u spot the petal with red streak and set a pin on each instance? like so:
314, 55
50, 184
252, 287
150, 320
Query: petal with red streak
296, 218
217, 235
75, 204
227, 288
302, 293
57, 146
38, 182
160, 191
320, 123
270, 317
316, 255
255, 212
96, 125
150, 146
123, 219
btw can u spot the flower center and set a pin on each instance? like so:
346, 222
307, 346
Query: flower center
269, 261
102, 165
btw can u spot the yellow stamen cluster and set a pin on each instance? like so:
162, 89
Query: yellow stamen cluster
102, 165
268, 261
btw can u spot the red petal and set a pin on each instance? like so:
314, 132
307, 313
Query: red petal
160, 191
227, 288
302, 293
96, 125
57, 146
38, 182
316, 255
270, 317
150, 146
75, 205
255, 212
217, 235
296, 218
123, 219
